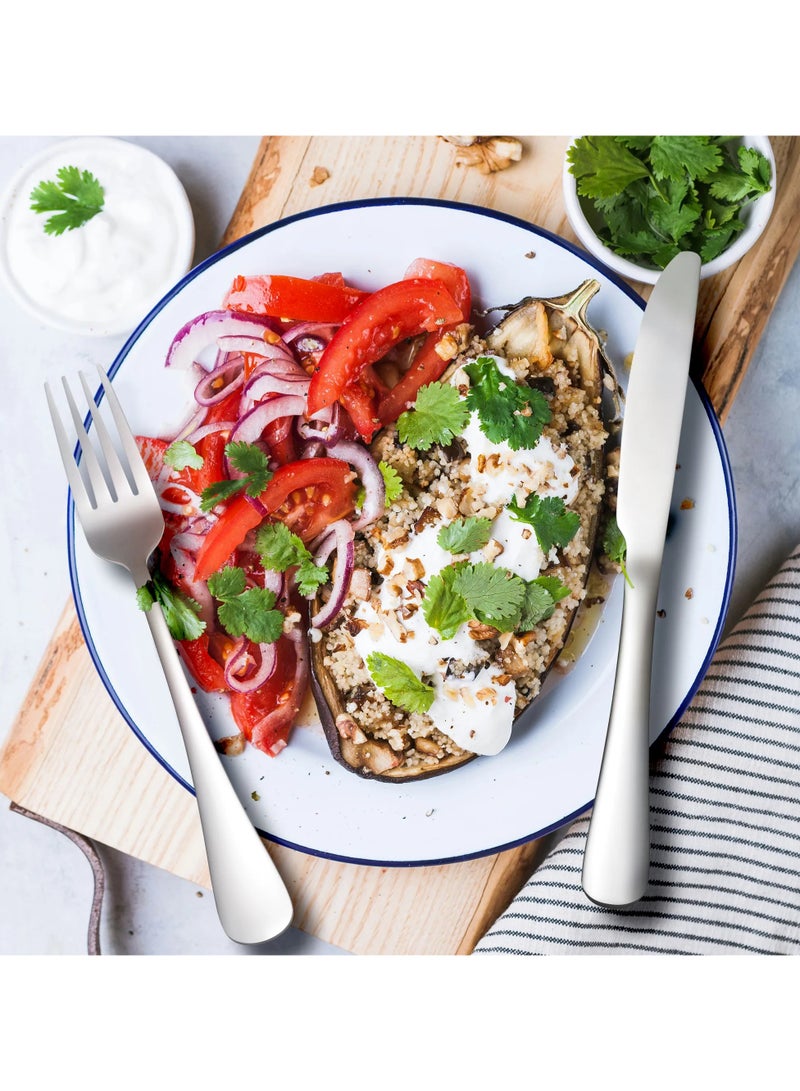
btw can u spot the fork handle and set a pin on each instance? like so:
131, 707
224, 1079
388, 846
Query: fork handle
252, 900
616, 858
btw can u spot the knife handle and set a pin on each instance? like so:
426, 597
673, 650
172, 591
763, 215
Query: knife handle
616, 859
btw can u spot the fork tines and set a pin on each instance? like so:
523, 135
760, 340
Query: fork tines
115, 472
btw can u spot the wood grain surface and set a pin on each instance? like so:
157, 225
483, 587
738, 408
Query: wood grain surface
72, 758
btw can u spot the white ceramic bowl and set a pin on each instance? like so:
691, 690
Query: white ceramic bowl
755, 216
102, 278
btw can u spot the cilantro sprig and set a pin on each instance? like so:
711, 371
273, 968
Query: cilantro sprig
281, 549
181, 613
438, 415
507, 410
650, 197
245, 611
399, 683
251, 462
552, 522
490, 594
74, 199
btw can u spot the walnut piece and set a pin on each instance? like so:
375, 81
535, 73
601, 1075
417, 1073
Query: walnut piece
487, 153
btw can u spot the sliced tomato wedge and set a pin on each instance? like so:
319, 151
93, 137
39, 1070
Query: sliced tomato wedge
427, 365
327, 299
266, 715
307, 495
452, 276
388, 316
203, 667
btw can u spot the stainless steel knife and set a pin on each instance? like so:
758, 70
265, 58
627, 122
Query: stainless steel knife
617, 854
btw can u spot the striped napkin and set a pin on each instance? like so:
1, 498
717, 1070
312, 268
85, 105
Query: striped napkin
724, 817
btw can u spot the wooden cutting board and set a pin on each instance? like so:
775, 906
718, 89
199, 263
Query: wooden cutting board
72, 758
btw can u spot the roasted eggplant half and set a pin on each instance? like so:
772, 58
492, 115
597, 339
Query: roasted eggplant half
464, 592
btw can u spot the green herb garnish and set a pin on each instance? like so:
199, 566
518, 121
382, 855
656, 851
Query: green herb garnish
392, 481
490, 594
508, 411
465, 535
280, 549
245, 612
74, 199
615, 547
444, 608
181, 454
181, 613
438, 416
650, 197
399, 683
553, 523
251, 462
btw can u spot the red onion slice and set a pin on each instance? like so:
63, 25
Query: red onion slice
319, 331
209, 429
340, 536
264, 383
368, 470
250, 426
205, 329
245, 671
218, 383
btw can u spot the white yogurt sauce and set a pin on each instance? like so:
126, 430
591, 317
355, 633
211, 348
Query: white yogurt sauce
475, 711
104, 276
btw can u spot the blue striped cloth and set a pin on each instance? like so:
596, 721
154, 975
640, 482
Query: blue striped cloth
724, 817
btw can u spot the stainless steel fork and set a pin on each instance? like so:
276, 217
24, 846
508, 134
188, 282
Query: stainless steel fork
121, 518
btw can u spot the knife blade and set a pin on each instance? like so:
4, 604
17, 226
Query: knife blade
617, 854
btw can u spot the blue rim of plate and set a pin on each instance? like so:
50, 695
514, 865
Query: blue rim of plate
532, 229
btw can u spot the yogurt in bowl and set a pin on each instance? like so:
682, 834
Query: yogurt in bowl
102, 277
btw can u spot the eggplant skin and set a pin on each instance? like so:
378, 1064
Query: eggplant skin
550, 334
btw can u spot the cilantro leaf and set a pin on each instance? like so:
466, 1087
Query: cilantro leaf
243, 612
399, 683
180, 612
392, 481
250, 614
181, 454
280, 549
681, 156
227, 583
493, 594
310, 577
438, 416
508, 411
465, 535
615, 547
539, 602
603, 166
74, 199
445, 609
144, 597
251, 462
552, 522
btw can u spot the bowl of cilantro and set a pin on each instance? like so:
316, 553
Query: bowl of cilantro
636, 201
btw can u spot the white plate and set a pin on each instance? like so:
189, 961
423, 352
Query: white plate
548, 773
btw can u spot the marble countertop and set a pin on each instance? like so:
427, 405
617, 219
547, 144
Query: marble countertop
46, 882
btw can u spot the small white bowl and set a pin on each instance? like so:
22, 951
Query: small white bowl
755, 217
103, 278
